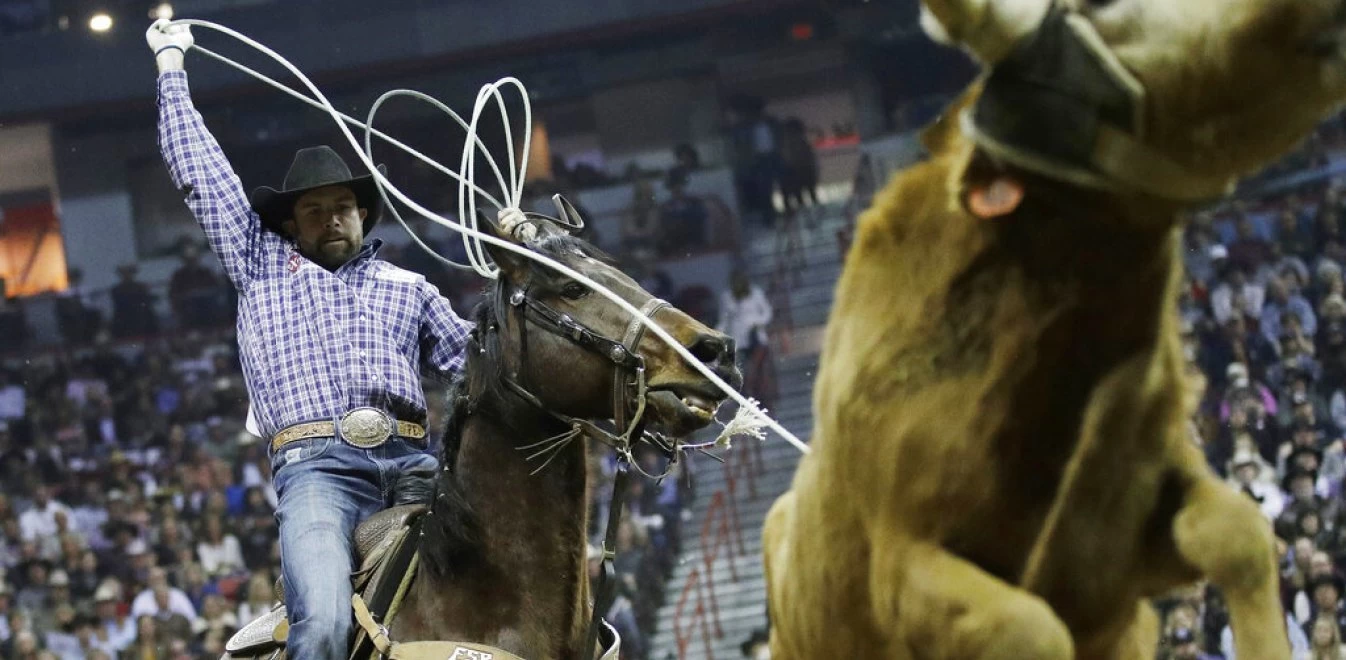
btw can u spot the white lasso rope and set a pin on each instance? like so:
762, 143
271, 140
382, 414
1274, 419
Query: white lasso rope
750, 415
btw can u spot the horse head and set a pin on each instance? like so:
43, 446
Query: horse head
578, 353
1212, 89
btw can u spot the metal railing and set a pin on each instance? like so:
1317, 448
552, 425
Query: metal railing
697, 612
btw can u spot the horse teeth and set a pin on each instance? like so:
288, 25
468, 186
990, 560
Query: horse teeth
696, 407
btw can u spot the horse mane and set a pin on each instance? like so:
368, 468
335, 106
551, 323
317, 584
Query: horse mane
557, 244
452, 536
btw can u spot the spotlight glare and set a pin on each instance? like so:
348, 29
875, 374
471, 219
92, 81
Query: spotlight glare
100, 22
162, 10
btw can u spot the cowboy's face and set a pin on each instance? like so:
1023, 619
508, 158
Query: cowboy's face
328, 226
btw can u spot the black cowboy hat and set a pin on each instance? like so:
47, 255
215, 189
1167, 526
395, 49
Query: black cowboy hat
313, 168
1313, 451
1331, 578
26, 565
1295, 371
113, 527
1298, 472
1301, 425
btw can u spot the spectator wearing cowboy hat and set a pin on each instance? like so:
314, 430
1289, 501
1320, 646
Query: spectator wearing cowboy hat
312, 294
1309, 524
1305, 434
89, 638
33, 594
132, 305
1300, 484
1302, 410
1325, 592
1246, 471
58, 589
1320, 565
114, 627
1309, 459
1297, 379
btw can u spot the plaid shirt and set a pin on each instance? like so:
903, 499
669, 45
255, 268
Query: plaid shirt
314, 343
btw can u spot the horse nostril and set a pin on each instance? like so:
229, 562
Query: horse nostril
710, 348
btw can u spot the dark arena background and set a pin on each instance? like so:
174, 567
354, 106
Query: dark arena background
719, 150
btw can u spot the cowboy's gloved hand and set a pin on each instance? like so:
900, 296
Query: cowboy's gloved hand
514, 223
162, 35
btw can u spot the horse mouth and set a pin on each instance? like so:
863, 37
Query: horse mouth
681, 409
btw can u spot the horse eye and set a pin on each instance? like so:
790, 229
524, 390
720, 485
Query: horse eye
574, 291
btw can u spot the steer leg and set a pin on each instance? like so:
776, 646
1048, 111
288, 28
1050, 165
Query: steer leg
1223, 534
946, 607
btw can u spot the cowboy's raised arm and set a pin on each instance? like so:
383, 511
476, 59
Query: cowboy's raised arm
196, 162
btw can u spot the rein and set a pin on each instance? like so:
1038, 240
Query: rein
630, 392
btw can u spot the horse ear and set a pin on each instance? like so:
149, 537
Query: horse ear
511, 264
570, 217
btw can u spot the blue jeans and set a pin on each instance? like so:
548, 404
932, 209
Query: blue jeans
326, 487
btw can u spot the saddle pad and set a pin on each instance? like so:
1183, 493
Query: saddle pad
448, 651
612, 649
257, 639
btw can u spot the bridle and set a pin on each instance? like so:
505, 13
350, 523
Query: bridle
630, 391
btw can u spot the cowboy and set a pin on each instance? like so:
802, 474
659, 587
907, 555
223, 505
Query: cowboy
331, 339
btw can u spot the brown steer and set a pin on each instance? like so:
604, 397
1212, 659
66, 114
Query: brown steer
1000, 467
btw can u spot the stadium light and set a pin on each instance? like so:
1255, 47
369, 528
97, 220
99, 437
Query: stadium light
162, 10
100, 22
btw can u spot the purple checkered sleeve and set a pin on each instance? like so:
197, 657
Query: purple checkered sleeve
443, 335
314, 343
200, 170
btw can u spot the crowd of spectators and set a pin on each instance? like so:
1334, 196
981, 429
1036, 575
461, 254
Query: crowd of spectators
1264, 331
136, 512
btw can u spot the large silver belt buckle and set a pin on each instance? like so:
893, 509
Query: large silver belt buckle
366, 427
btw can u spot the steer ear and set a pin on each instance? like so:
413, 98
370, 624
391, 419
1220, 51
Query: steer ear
986, 28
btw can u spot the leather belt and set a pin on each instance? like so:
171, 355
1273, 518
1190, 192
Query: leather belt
362, 427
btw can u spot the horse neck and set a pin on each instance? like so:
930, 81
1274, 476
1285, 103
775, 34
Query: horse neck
492, 462
528, 551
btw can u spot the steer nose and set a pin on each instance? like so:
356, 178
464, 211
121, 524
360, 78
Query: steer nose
713, 349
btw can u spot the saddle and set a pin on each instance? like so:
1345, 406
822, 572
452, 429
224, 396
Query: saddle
377, 539
386, 566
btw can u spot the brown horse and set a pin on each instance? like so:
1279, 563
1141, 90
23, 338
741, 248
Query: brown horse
503, 555
501, 560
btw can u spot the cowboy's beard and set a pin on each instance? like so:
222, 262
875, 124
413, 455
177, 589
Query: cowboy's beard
332, 253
